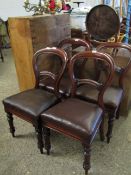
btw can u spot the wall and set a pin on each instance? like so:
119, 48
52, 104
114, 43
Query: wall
90, 3
11, 8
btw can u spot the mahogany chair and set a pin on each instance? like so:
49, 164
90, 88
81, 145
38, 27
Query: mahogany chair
72, 46
29, 104
114, 93
74, 117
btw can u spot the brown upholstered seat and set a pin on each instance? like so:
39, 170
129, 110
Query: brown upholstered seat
82, 123
77, 118
112, 95
29, 104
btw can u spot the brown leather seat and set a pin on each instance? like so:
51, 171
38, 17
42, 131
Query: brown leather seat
77, 118
112, 95
29, 104
81, 124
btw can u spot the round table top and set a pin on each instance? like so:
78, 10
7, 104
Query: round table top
102, 22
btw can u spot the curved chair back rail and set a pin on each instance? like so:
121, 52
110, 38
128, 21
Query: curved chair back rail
120, 70
101, 87
75, 45
56, 78
75, 42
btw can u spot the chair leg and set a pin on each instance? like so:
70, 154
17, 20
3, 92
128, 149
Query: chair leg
46, 133
86, 163
38, 130
110, 125
2, 58
11, 125
118, 112
101, 130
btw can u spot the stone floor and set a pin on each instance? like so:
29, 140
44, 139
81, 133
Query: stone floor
20, 156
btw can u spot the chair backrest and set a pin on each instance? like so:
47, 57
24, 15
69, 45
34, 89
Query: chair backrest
71, 44
44, 71
76, 82
121, 54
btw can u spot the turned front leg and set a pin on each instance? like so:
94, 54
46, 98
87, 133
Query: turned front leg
11, 125
101, 130
2, 58
46, 133
110, 125
118, 112
38, 130
86, 163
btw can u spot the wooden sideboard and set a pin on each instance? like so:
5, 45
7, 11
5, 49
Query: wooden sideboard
31, 33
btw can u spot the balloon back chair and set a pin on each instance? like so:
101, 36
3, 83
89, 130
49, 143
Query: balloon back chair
74, 117
121, 54
113, 95
29, 104
72, 46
